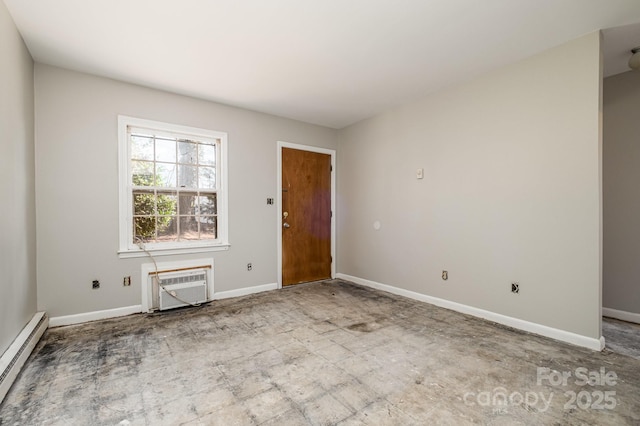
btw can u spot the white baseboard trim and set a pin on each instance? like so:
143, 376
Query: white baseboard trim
17, 353
94, 316
128, 310
543, 330
244, 291
621, 315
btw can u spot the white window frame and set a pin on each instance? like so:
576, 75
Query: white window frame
127, 247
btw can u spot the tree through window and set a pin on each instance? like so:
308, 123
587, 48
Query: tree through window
173, 186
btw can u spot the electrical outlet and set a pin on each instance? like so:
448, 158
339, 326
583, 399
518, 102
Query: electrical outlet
126, 281
270, 201
95, 284
249, 266
515, 287
445, 275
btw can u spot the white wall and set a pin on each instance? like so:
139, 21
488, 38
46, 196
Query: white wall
77, 186
621, 190
511, 192
17, 227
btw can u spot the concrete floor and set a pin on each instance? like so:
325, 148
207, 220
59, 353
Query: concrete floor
324, 353
622, 337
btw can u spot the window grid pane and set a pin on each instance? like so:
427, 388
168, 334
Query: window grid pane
144, 229
173, 163
174, 191
161, 216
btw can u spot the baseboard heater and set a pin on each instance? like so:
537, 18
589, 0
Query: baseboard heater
181, 288
15, 356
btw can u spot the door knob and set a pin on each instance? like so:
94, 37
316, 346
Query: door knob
286, 225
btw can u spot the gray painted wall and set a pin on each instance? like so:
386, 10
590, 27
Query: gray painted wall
621, 190
77, 186
17, 227
511, 192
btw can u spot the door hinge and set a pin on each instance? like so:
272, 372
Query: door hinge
330, 167
331, 257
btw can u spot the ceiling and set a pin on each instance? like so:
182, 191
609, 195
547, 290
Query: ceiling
616, 47
327, 62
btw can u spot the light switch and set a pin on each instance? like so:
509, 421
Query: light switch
420, 173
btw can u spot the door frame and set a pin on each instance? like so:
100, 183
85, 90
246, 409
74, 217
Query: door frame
332, 153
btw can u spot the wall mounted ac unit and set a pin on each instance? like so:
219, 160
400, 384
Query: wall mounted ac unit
182, 288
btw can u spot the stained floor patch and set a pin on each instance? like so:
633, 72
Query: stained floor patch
324, 353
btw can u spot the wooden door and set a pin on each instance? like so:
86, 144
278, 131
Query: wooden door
306, 216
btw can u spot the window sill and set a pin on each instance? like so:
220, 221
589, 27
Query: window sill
127, 254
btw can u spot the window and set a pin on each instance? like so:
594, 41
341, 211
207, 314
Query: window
172, 188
